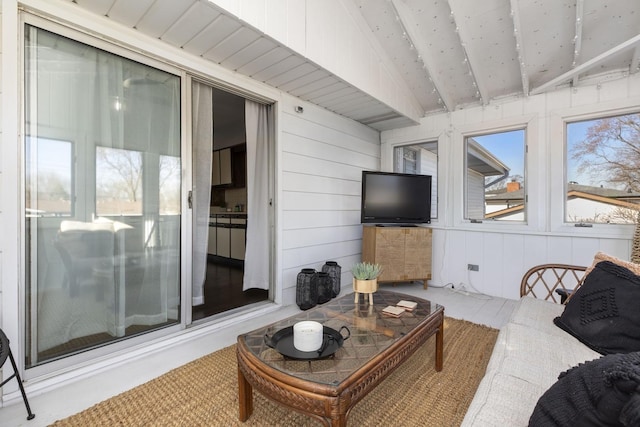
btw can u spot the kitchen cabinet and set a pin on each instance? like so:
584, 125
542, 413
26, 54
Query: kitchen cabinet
221, 168
237, 237
211, 246
227, 235
229, 167
223, 242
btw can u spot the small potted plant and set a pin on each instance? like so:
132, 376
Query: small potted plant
365, 279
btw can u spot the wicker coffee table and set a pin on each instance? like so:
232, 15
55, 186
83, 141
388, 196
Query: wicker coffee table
328, 388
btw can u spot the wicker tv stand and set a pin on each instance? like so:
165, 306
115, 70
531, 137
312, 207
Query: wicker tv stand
327, 389
403, 252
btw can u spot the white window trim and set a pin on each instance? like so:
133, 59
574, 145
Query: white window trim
388, 163
534, 206
558, 120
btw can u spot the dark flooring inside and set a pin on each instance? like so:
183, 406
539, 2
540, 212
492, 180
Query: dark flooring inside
223, 290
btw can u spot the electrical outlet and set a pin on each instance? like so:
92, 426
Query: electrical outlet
473, 267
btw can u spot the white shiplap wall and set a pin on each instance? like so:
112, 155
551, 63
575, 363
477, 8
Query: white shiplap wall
322, 158
503, 251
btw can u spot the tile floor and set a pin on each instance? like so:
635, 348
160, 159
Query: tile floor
50, 406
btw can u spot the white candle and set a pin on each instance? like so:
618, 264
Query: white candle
307, 335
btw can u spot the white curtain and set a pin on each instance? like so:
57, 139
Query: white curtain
202, 153
101, 265
256, 263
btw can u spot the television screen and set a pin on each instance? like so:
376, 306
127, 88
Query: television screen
395, 198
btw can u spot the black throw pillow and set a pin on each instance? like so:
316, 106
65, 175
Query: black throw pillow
604, 313
602, 392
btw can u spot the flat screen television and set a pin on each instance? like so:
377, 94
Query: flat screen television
395, 198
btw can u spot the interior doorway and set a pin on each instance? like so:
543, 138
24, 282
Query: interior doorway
220, 138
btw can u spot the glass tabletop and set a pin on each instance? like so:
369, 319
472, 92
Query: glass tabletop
371, 332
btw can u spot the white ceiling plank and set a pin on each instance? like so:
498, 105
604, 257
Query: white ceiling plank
99, 7
217, 30
294, 74
548, 37
334, 87
335, 97
304, 80
129, 12
232, 44
409, 25
278, 68
161, 15
629, 44
318, 84
358, 100
192, 22
245, 55
517, 29
264, 61
470, 56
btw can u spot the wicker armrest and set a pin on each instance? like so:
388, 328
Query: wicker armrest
542, 281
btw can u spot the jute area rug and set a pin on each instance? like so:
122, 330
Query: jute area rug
204, 392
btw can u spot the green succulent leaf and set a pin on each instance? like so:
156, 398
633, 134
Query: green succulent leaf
366, 271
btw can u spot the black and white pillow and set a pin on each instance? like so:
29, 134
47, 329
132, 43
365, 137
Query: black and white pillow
602, 392
604, 313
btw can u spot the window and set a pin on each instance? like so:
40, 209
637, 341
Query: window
421, 159
495, 176
49, 177
603, 170
102, 146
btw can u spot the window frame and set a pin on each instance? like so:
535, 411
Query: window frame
396, 162
534, 203
466, 172
114, 47
558, 121
389, 165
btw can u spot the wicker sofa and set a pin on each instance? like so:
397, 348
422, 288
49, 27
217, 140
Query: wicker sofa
530, 351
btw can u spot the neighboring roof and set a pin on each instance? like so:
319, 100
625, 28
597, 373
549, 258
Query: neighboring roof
609, 196
482, 161
503, 212
605, 195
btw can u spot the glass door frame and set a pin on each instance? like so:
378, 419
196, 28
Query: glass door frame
150, 340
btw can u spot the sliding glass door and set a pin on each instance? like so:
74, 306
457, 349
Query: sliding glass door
102, 216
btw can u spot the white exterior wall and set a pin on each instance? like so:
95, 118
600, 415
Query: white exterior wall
505, 251
319, 157
322, 161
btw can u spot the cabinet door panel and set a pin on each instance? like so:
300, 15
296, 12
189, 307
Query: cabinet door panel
215, 168
237, 243
390, 252
225, 166
223, 243
418, 253
211, 248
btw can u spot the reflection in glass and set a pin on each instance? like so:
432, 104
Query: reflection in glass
421, 159
102, 150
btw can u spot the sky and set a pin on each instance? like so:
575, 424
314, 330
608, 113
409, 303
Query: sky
508, 147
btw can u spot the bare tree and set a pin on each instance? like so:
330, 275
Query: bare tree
611, 150
125, 164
